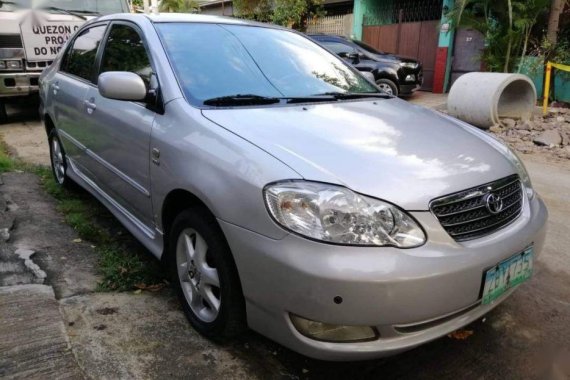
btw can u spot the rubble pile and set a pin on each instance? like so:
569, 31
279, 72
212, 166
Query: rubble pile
548, 134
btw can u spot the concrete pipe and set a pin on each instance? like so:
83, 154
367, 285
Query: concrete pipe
483, 99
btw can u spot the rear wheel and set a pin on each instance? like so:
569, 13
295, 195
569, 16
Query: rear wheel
205, 275
387, 86
58, 160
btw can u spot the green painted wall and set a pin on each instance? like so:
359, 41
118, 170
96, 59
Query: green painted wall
373, 10
446, 39
561, 81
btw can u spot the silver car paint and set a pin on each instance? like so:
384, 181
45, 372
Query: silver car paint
122, 86
383, 148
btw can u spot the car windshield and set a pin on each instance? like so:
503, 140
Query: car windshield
218, 60
368, 48
102, 7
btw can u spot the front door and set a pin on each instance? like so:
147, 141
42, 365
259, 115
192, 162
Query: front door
71, 84
119, 148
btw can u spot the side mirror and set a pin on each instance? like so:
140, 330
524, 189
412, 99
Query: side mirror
354, 57
122, 85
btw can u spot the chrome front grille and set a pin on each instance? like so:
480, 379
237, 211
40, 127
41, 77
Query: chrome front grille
481, 210
39, 65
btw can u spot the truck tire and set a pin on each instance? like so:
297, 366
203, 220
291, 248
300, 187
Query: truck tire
3, 113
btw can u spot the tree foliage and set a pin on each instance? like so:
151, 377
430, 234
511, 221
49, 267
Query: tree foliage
179, 6
506, 25
290, 13
258, 10
294, 13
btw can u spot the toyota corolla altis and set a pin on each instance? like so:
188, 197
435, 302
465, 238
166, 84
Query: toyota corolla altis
285, 191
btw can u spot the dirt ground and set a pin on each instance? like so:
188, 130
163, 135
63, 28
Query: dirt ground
144, 335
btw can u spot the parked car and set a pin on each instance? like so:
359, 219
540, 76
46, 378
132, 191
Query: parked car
398, 76
284, 191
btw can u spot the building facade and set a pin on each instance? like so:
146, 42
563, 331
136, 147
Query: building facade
414, 28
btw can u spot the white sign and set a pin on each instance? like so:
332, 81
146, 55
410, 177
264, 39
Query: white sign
43, 39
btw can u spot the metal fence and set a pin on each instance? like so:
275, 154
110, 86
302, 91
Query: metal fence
395, 11
337, 25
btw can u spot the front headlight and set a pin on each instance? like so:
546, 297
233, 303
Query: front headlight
335, 214
409, 65
14, 64
521, 171
2, 65
514, 159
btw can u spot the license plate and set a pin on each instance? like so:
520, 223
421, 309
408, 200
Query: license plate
507, 274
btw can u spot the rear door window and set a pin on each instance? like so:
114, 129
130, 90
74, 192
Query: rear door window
81, 56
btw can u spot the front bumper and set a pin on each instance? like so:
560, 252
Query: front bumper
411, 296
18, 83
408, 89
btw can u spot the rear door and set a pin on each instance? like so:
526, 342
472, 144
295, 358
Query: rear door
119, 145
69, 87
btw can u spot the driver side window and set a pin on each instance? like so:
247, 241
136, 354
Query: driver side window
125, 51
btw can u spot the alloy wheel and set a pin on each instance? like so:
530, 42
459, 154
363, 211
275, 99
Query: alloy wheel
57, 161
199, 281
386, 88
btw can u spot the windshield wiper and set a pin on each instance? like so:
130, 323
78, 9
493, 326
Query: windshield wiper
251, 99
82, 11
61, 10
355, 95
241, 100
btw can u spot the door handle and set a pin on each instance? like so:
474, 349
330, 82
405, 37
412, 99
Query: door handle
90, 106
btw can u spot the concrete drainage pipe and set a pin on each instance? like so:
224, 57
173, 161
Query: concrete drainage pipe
483, 99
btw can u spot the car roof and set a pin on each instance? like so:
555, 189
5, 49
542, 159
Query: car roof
185, 17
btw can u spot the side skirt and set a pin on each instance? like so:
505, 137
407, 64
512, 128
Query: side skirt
151, 239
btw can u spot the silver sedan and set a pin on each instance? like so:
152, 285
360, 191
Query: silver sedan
283, 190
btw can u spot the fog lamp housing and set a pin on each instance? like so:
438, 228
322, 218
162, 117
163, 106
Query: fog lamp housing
410, 78
333, 333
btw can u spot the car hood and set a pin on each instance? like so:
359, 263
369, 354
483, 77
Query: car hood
393, 58
386, 148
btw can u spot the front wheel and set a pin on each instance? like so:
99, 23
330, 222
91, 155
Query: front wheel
387, 86
205, 275
3, 113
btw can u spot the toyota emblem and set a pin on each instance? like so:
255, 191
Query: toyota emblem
494, 203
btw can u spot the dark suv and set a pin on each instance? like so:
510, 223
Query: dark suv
395, 75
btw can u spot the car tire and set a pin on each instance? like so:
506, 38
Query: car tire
3, 113
205, 275
58, 161
388, 86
